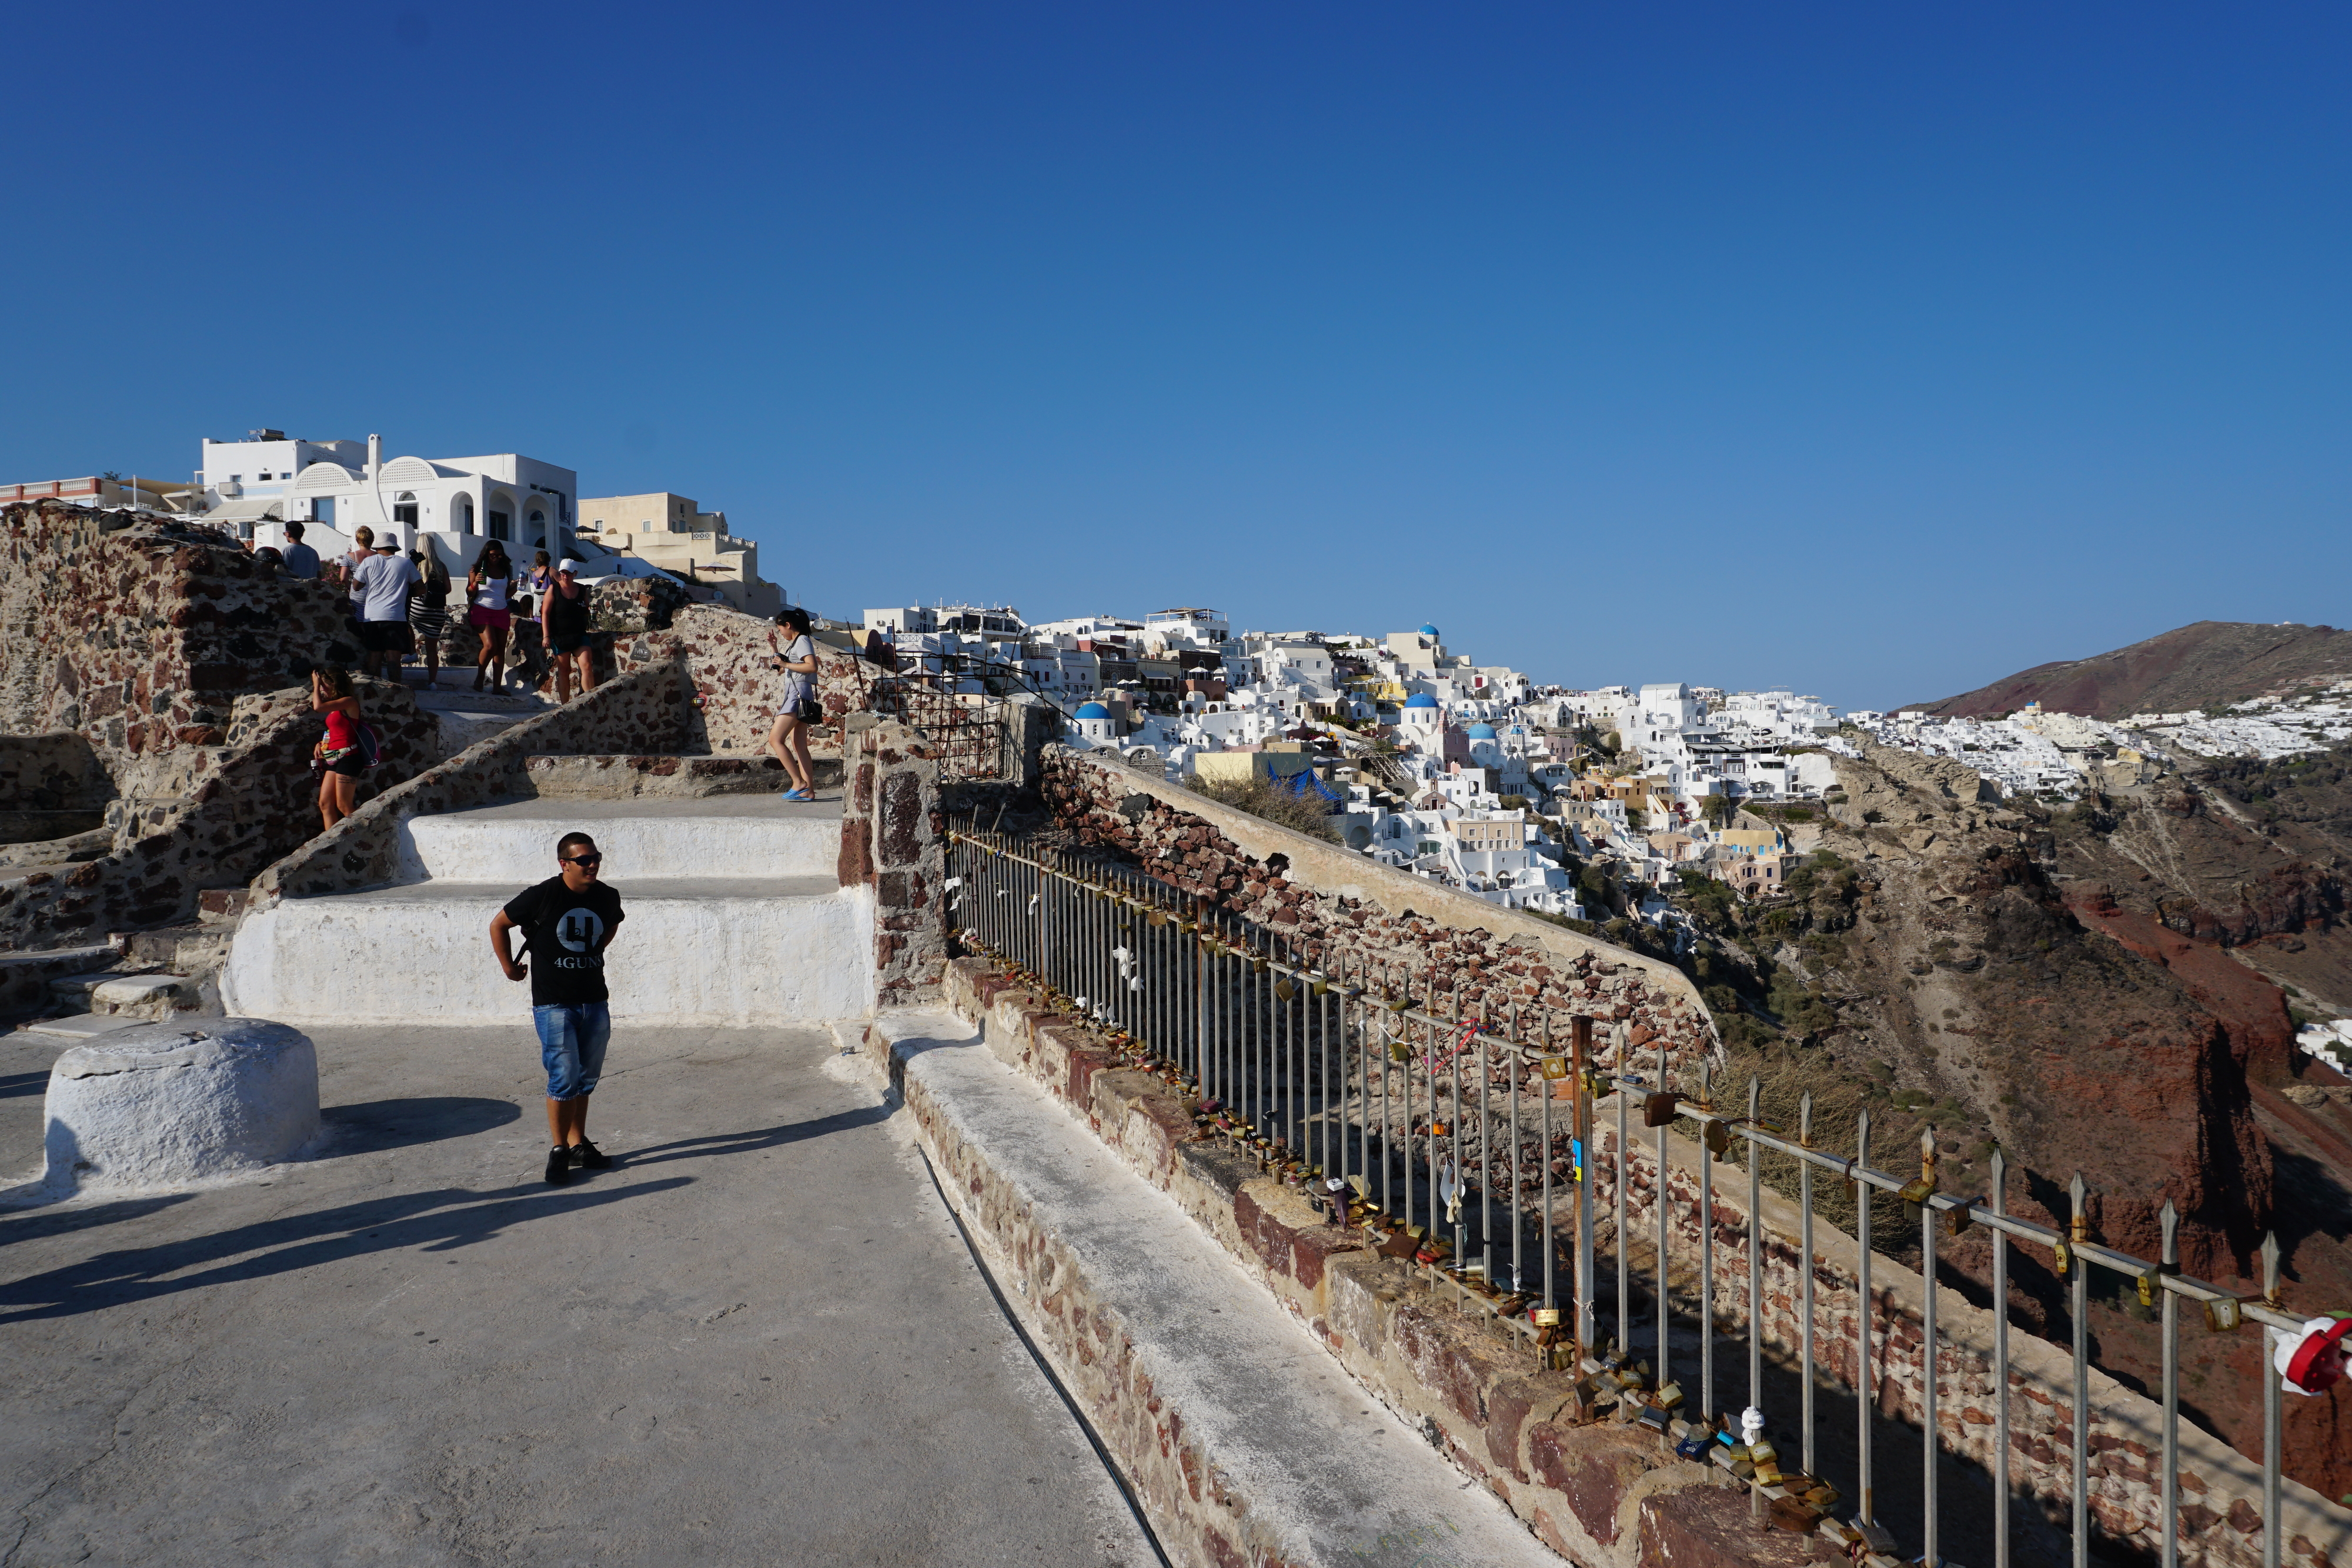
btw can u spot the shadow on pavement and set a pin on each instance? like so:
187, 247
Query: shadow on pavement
63, 1221
16, 1084
435, 1221
379, 1124
753, 1141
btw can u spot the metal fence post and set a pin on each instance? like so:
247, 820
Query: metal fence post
2274, 1446
2000, 1362
1580, 1039
1862, 1316
2078, 1304
2171, 1220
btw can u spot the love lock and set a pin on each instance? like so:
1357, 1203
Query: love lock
2311, 1361
1658, 1110
1717, 1137
1284, 990
1449, 1192
1555, 1067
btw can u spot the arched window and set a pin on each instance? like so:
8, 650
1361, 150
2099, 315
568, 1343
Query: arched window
403, 508
465, 514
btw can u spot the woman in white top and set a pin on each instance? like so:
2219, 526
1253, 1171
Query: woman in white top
486, 598
787, 738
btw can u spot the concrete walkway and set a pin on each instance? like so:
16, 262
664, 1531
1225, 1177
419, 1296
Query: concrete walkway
1322, 1473
756, 1340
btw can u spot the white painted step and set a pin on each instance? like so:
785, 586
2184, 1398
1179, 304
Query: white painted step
84, 1025
735, 836
720, 952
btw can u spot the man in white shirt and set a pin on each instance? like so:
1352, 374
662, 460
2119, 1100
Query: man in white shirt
381, 584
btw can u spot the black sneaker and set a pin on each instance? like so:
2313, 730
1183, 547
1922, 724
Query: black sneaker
558, 1165
587, 1156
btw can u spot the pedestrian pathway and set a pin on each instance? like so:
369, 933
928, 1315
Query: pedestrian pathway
756, 1339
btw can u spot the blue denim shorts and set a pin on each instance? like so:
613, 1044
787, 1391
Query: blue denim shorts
572, 1046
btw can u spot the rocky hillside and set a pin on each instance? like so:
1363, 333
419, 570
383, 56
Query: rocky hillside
2095, 989
2189, 668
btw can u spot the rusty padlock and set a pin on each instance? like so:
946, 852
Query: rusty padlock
1658, 1109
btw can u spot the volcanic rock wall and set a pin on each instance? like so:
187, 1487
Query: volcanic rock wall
141, 634
237, 807
1404, 935
891, 840
736, 686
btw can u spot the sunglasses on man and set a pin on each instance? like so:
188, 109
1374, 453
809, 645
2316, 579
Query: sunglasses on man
584, 860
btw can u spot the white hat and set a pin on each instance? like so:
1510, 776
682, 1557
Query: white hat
569, 565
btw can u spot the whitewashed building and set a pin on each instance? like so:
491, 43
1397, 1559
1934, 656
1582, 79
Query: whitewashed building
334, 487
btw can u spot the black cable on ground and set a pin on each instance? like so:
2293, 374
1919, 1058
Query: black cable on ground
1134, 1504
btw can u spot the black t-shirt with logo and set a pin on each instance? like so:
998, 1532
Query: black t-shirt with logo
564, 933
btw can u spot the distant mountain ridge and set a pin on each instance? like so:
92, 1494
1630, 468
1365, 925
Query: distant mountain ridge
2186, 668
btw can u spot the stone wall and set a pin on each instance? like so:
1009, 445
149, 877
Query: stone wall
643, 711
52, 787
55, 771
891, 839
139, 634
217, 815
1596, 1490
1401, 934
25, 976
737, 686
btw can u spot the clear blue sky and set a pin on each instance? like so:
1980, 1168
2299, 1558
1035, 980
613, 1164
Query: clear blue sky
1876, 350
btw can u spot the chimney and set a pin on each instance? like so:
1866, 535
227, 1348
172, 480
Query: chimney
375, 458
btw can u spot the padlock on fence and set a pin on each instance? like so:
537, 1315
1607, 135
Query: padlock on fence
1658, 1110
2148, 1279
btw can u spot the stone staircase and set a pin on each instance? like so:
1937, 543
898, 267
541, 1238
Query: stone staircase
734, 917
102, 1001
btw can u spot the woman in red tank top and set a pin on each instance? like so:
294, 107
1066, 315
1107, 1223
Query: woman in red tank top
339, 748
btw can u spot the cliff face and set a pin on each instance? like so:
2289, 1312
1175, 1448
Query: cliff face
2180, 670
2100, 988
1979, 982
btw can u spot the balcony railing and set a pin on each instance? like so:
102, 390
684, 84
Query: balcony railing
1466, 1136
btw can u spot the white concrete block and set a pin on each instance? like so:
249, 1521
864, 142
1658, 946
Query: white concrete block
162, 1105
82, 1026
717, 953
730, 836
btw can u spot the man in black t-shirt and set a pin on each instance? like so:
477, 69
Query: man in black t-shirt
567, 922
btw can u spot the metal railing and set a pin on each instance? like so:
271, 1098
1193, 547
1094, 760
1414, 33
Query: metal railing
968, 729
1348, 1077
